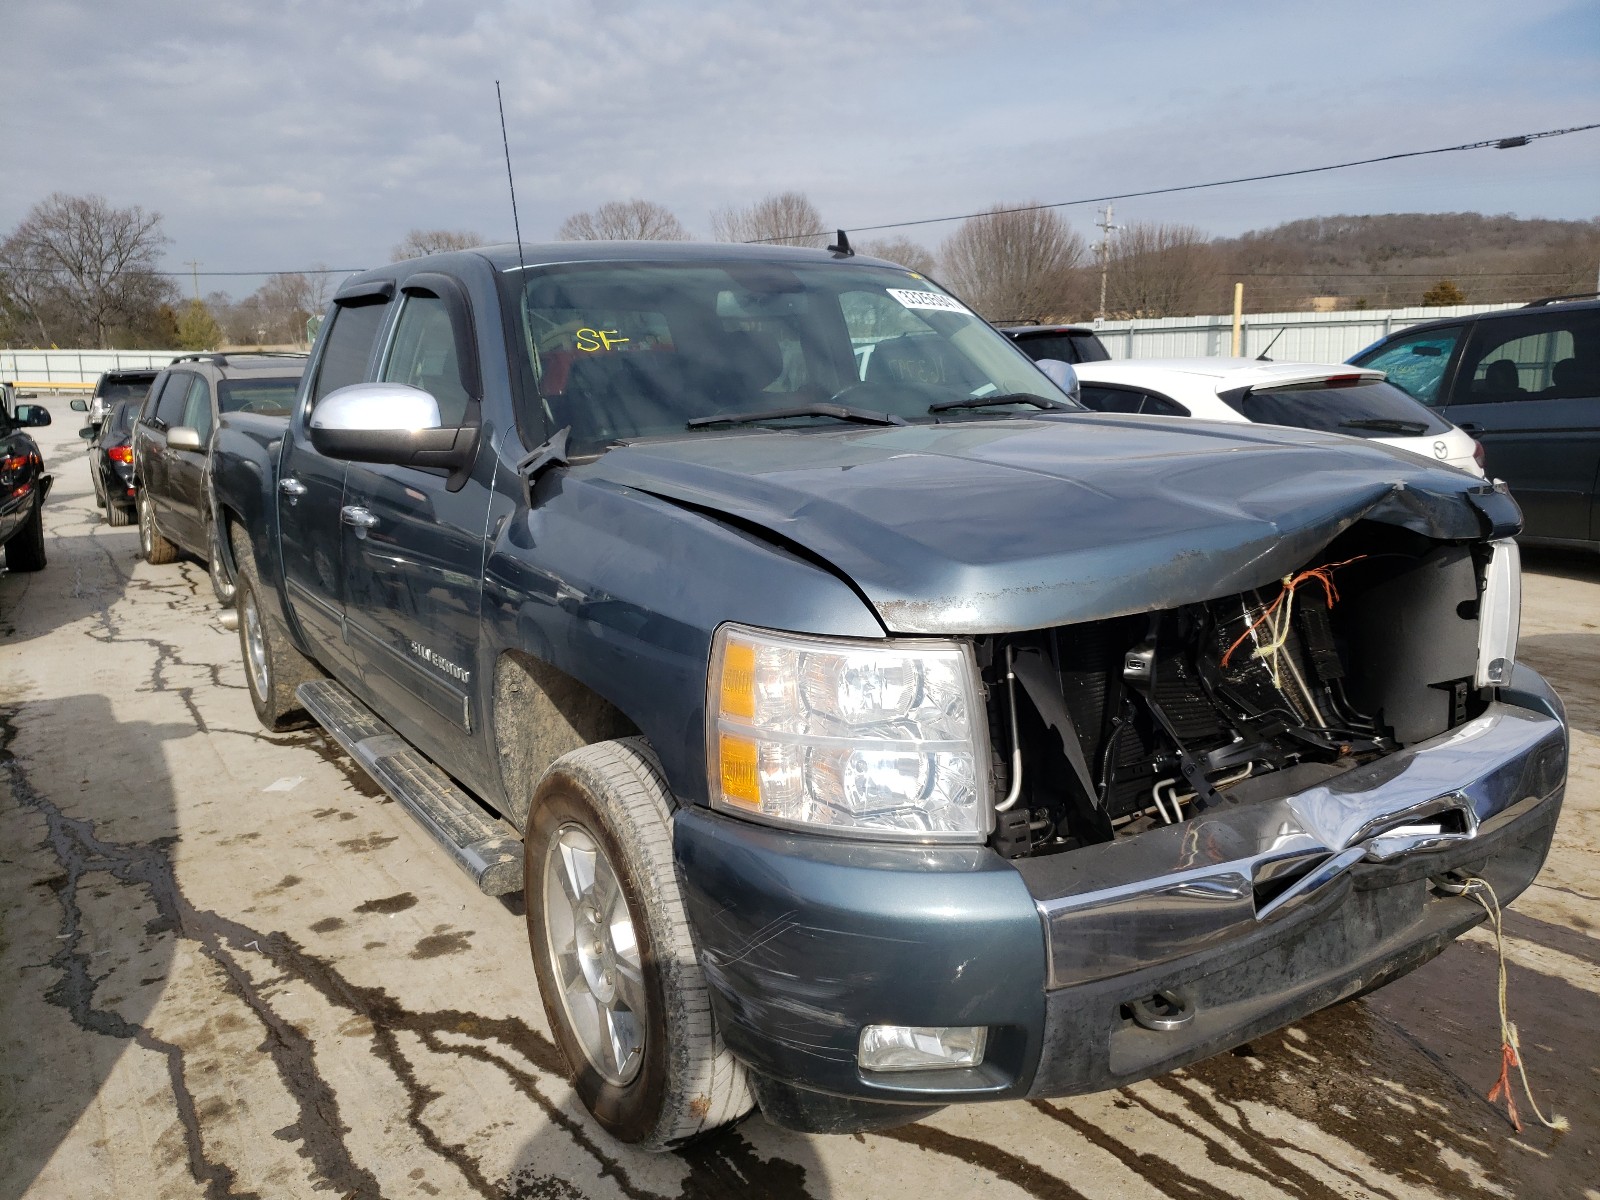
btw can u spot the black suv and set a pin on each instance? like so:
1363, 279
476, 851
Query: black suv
1526, 383
172, 438
1064, 343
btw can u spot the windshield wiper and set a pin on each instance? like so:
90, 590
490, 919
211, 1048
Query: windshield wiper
1007, 398
840, 412
1385, 425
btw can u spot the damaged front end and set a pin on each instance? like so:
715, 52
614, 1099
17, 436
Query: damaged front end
1107, 729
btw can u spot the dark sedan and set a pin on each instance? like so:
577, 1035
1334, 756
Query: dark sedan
23, 484
111, 462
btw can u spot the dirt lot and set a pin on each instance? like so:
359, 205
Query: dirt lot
232, 968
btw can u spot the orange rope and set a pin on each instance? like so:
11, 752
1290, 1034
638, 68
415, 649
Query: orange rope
1322, 574
1508, 1059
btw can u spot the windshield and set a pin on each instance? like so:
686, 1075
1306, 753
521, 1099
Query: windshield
1359, 408
274, 397
623, 350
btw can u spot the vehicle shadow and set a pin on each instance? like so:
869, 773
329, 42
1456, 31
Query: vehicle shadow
1581, 565
750, 1159
1571, 661
75, 585
92, 915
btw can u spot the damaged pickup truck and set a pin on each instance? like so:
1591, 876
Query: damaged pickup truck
870, 727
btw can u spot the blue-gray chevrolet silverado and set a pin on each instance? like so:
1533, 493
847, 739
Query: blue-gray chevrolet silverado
869, 727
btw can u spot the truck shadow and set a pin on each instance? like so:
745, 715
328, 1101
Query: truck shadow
1571, 662
92, 917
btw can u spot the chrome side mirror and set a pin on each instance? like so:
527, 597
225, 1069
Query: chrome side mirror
1063, 375
390, 423
182, 437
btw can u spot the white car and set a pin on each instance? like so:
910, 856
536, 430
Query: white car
1331, 398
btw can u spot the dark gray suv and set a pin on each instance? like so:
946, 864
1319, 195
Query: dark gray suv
172, 438
1526, 383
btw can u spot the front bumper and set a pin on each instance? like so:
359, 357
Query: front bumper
1249, 916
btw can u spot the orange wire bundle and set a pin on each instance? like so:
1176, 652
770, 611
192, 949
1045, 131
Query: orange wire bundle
1322, 574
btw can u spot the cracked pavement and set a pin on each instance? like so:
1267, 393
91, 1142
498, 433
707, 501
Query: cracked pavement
234, 969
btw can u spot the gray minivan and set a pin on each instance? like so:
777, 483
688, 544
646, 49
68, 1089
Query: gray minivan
1526, 383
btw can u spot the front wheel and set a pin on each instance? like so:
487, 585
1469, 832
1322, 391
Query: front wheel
156, 548
617, 970
222, 585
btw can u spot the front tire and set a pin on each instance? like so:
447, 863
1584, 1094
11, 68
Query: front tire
222, 586
272, 667
157, 549
617, 969
25, 550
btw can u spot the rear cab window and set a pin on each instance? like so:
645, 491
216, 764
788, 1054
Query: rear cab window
347, 350
1356, 406
1065, 347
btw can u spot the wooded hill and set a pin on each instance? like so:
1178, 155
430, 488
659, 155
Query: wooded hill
1394, 258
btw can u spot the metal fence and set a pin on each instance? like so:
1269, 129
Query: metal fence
1294, 336
71, 370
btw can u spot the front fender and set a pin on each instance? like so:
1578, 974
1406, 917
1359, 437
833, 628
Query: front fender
623, 591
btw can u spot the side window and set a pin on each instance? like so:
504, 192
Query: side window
147, 411
423, 355
1415, 363
174, 398
349, 347
1103, 398
197, 408
1552, 356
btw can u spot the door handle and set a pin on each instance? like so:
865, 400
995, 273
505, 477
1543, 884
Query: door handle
292, 488
354, 514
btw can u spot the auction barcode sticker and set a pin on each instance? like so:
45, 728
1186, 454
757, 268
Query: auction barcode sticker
916, 298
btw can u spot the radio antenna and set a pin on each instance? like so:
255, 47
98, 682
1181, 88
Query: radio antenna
510, 183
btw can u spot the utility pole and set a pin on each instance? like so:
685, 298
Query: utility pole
1106, 229
1237, 344
195, 267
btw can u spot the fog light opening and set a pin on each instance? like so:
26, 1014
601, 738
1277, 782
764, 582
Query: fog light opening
921, 1047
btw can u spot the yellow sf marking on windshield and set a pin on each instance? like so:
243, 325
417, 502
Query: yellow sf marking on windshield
598, 339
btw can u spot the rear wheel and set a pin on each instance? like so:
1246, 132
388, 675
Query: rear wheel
118, 515
156, 548
272, 667
25, 550
617, 969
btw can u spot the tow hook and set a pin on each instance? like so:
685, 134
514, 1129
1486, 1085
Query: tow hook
1164, 1011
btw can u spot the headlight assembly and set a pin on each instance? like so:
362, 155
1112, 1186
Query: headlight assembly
873, 739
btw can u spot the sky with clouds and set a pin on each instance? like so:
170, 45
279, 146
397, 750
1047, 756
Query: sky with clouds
277, 135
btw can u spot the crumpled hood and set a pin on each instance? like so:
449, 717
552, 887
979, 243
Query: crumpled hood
1003, 525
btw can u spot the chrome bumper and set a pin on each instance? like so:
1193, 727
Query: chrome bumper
1197, 885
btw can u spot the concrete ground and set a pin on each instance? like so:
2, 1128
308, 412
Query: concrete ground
232, 968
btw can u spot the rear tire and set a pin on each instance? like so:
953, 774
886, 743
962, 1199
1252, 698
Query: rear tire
118, 516
25, 550
272, 667
157, 549
605, 952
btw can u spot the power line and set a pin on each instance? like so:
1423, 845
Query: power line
1503, 143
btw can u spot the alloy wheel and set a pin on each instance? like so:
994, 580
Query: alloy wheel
594, 954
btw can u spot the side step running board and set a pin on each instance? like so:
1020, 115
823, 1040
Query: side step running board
469, 834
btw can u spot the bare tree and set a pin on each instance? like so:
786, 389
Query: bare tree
1158, 270
1013, 265
434, 241
787, 218
92, 263
624, 221
901, 250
